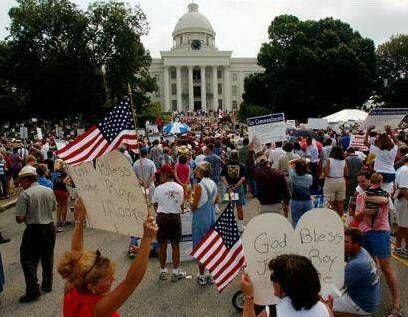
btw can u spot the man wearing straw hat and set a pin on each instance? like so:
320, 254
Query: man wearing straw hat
34, 207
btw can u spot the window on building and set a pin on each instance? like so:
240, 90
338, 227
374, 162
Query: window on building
219, 74
220, 103
181, 39
173, 89
235, 91
234, 76
174, 105
219, 89
235, 105
173, 74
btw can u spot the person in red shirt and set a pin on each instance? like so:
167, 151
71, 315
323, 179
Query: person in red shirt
89, 275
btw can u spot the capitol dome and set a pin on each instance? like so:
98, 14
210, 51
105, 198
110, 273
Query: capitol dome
193, 21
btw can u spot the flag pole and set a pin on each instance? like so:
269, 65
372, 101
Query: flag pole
144, 190
132, 106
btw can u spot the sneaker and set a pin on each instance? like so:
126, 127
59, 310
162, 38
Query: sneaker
201, 280
60, 229
178, 276
401, 253
163, 276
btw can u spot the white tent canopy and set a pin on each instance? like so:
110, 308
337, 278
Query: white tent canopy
347, 115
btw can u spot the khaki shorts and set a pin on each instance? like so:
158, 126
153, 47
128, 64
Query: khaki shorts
401, 205
334, 189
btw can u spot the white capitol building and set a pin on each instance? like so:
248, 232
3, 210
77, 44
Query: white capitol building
194, 74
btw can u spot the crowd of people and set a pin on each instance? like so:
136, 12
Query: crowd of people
214, 163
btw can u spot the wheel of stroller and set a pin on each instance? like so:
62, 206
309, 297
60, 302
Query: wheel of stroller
238, 301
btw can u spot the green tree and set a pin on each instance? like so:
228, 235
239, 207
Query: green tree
250, 110
393, 70
58, 52
114, 34
312, 68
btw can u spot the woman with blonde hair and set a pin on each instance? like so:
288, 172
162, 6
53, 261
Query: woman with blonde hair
205, 196
58, 178
89, 275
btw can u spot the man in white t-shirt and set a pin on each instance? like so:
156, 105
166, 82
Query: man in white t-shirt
276, 154
168, 199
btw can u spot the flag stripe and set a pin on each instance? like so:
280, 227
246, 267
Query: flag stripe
91, 133
203, 251
211, 267
227, 260
223, 269
232, 275
89, 158
84, 151
214, 251
197, 250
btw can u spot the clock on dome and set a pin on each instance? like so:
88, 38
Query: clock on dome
195, 44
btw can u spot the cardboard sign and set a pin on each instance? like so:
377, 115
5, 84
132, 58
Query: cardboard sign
23, 132
291, 124
265, 237
39, 134
319, 236
381, 117
357, 142
111, 194
268, 129
152, 128
317, 123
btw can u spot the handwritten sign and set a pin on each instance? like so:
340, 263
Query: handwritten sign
111, 193
319, 236
357, 142
265, 237
320, 232
380, 117
268, 129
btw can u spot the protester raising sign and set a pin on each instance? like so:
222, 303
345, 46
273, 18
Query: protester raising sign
381, 117
268, 129
319, 236
111, 194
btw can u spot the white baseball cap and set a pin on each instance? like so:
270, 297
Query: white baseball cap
27, 170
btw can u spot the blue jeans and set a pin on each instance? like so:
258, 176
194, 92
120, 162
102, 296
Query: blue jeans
298, 208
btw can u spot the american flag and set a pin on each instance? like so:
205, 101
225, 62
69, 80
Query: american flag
221, 250
116, 128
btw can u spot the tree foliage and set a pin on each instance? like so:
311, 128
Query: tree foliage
58, 53
393, 70
312, 68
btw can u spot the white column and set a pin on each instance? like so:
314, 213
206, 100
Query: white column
203, 90
215, 87
241, 79
166, 89
190, 89
178, 83
227, 89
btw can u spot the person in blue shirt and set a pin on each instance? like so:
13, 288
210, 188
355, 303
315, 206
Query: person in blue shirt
42, 171
362, 293
345, 141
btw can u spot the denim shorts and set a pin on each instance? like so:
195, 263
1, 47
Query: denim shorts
377, 243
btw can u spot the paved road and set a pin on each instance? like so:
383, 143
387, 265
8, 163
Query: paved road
152, 298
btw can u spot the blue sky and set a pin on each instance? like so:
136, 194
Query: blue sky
241, 25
